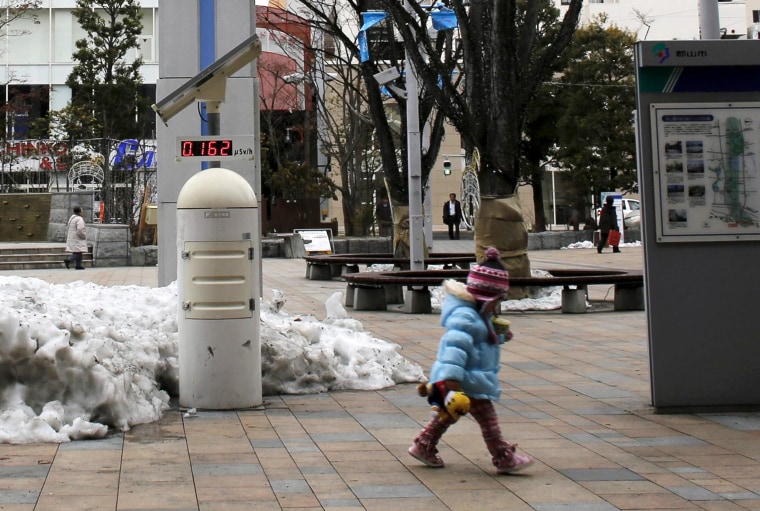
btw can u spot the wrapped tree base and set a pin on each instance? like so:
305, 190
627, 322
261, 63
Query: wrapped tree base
500, 224
401, 241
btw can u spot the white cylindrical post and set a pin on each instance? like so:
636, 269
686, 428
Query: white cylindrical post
218, 288
709, 19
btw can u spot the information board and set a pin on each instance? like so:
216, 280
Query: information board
705, 164
316, 241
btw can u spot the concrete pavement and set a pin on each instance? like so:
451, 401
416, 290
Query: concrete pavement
576, 397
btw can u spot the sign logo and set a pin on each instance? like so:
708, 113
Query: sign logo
661, 51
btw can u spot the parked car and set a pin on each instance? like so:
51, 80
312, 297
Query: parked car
632, 220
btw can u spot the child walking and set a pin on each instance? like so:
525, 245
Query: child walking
468, 361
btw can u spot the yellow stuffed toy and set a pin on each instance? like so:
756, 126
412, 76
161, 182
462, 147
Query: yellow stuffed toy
450, 405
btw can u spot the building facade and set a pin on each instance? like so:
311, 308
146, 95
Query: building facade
36, 53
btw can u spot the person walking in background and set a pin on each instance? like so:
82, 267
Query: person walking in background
452, 216
607, 222
384, 217
468, 362
76, 239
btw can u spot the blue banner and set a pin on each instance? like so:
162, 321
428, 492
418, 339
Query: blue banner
363, 48
444, 19
372, 18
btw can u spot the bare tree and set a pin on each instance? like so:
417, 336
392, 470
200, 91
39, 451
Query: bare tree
506, 47
645, 19
481, 76
384, 106
12, 10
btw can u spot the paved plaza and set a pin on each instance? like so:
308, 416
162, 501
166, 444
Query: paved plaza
576, 398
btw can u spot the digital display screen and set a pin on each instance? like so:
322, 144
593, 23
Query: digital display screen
209, 148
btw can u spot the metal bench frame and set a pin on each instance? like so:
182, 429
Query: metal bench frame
377, 290
329, 266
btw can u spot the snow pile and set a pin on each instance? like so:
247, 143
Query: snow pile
78, 359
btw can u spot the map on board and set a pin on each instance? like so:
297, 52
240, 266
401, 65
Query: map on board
706, 171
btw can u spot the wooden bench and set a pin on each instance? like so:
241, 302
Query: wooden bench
376, 290
329, 266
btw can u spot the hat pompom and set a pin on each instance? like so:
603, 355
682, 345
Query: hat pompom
492, 254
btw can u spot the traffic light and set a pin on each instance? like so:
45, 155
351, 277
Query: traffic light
446, 167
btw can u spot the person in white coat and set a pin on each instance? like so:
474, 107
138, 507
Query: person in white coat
76, 239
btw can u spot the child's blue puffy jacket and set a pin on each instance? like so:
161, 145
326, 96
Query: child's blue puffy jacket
464, 352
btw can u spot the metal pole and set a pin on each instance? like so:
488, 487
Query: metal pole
554, 200
709, 19
414, 152
214, 125
257, 153
321, 89
428, 208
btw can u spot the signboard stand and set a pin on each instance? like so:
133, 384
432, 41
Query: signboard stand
316, 241
699, 137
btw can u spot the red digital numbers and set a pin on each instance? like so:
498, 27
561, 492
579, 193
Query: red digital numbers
187, 148
201, 148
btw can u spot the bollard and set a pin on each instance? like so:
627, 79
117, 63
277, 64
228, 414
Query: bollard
218, 287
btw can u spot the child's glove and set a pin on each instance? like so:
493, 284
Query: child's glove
450, 405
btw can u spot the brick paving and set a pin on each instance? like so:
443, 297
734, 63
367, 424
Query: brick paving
576, 397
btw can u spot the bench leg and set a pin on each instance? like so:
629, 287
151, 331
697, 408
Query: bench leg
629, 297
369, 299
349, 301
394, 294
574, 300
417, 301
348, 269
320, 272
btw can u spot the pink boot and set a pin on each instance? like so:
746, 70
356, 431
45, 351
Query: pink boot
504, 457
424, 448
510, 462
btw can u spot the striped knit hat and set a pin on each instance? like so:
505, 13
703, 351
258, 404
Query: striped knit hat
488, 280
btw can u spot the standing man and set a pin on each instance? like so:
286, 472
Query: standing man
384, 217
607, 223
452, 216
76, 240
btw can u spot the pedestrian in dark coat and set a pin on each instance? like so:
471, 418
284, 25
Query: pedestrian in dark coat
452, 216
607, 222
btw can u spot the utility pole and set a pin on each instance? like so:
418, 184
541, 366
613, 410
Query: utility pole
414, 155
